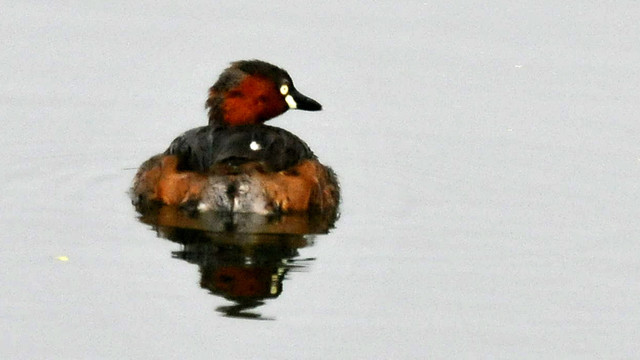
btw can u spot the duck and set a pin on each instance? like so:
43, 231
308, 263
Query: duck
236, 163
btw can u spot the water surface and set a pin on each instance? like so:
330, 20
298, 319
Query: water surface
488, 157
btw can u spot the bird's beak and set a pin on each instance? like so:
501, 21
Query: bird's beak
296, 100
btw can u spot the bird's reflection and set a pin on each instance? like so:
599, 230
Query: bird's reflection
242, 257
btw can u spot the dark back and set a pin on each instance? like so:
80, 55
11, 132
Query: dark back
276, 149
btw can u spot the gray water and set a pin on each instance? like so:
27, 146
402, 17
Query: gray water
489, 157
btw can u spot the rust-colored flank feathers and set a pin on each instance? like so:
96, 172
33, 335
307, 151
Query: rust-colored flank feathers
159, 180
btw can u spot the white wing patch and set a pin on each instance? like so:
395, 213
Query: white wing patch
255, 146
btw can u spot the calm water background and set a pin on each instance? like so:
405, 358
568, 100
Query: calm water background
489, 157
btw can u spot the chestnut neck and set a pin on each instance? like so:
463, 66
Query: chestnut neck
253, 100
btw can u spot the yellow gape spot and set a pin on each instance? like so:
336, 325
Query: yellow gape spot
292, 103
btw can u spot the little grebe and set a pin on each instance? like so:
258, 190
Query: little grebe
236, 163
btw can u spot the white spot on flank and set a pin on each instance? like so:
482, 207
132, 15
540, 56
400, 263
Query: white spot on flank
255, 146
203, 207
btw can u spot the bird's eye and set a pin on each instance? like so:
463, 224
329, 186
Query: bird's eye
284, 89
